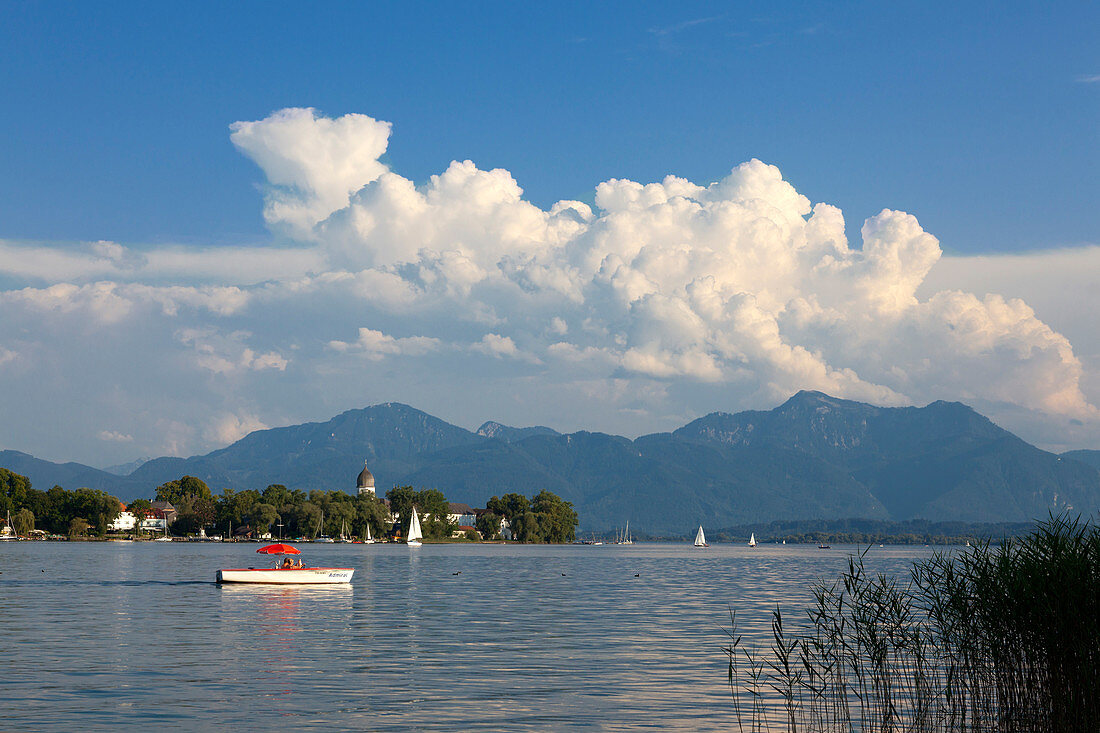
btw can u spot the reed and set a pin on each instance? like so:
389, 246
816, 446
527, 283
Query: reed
991, 639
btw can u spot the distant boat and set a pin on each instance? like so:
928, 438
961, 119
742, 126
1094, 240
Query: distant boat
343, 532
8, 532
415, 534
164, 537
624, 538
752, 539
320, 529
369, 540
700, 538
824, 547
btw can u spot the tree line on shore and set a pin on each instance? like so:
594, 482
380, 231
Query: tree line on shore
287, 512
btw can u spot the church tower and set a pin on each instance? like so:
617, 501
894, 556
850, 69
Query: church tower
366, 481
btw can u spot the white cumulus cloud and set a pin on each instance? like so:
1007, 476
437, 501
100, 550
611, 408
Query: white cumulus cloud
655, 302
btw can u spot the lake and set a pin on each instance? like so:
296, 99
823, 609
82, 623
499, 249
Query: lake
445, 637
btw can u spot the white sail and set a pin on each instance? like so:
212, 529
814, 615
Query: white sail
752, 539
369, 540
414, 530
700, 538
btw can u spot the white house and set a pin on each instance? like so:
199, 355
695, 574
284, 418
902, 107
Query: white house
124, 522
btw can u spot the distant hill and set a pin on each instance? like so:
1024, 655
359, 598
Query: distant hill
508, 434
1091, 457
45, 475
125, 469
391, 437
813, 457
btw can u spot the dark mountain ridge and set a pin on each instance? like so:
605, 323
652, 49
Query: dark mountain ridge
813, 457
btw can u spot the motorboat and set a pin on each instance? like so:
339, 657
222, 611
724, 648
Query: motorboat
285, 571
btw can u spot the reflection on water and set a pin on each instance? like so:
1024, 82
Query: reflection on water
444, 637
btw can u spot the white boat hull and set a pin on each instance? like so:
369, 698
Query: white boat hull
289, 576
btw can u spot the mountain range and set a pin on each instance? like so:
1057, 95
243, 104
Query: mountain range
813, 457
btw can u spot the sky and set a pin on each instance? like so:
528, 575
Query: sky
216, 218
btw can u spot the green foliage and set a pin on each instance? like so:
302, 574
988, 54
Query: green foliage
78, 526
488, 524
13, 491
472, 535
370, 511
402, 499
546, 518
261, 517
186, 486
509, 506
432, 501
558, 519
23, 521
140, 508
54, 510
985, 639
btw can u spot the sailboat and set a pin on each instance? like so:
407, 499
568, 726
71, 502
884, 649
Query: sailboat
700, 538
164, 537
369, 540
752, 539
343, 532
8, 532
415, 534
624, 538
321, 528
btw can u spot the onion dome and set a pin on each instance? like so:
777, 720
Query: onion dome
366, 479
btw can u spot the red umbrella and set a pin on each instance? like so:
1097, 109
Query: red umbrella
279, 549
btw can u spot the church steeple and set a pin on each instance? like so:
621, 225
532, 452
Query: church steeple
365, 484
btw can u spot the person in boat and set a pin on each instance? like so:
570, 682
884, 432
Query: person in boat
288, 563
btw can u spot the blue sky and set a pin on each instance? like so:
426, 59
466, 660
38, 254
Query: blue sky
970, 115
206, 228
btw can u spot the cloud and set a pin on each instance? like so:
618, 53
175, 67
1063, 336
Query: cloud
115, 437
656, 302
376, 345
1088, 79
225, 354
229, 428
496, 345
312, 163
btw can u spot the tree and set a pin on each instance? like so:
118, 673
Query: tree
233, 507
432, 501
370, 511
277, 495
262, 517
510, 506
527, 528
140, 508
23, 521
559, 519
78, 526
13, 490
401, 500
488, 524
472, 535
174, 492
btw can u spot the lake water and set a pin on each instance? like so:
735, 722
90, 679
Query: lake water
446, 637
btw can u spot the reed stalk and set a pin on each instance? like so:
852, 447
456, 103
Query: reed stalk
989, 640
